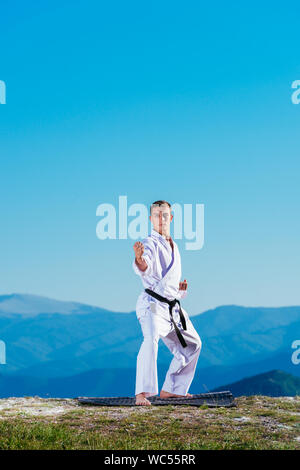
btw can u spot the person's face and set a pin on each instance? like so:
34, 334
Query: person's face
161, 218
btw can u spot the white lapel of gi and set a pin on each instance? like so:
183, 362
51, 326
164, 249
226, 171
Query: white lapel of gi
167, 286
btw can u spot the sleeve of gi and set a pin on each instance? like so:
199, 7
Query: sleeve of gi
182, 294
148, 256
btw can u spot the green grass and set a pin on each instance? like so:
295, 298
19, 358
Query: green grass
158, 428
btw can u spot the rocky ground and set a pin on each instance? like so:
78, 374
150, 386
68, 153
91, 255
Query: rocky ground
257, 422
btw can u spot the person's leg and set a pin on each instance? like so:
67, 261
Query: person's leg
182, 368
146, 365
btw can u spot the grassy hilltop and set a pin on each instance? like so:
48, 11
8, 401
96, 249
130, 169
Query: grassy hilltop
257, 422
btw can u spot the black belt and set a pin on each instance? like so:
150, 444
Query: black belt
172, 304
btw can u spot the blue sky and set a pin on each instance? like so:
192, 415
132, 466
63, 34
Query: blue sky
187, 102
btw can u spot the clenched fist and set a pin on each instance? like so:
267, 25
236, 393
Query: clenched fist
139, 260
183, 285
139, 250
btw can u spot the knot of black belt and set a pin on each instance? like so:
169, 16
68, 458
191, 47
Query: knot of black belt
172, 304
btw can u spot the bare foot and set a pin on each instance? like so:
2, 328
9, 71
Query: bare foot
164, 394
141, 399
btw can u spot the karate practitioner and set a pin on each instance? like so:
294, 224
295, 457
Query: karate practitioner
157, 261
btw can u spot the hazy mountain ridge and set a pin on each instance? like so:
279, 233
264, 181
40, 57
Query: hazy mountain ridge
82, 338
274, 383
30, 305
121, 382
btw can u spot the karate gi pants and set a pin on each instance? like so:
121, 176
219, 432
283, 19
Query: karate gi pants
182, 368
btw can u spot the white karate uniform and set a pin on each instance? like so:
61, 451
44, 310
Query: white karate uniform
163, 275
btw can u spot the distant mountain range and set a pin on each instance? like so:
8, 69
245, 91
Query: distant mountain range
121, 382
275, 383
49, 340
